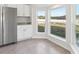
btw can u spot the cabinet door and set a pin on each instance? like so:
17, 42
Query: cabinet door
24, 32
20, 10
20, 32
27, 31
27, 10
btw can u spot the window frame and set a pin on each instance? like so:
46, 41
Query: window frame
37, 9
56, 36
75, 28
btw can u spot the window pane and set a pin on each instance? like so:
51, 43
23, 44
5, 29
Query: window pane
58, 20
77, 23
41, 20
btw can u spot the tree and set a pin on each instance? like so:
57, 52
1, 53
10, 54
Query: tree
41, 17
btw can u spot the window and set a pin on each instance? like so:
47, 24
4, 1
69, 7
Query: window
58, 20
41, 20
77, 24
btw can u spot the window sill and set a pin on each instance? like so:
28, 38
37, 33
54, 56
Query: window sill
59, 41
57, 37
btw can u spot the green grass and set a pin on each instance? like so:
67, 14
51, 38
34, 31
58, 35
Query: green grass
41, 28
59, 31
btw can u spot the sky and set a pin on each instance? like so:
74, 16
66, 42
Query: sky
58, 12
41, 13
77, 9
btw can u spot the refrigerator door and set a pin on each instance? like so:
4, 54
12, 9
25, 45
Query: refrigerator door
0, 25
9, 25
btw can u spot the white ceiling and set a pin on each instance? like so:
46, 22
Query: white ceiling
47, 5
42, 5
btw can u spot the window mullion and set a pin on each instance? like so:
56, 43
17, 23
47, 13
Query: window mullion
70, 27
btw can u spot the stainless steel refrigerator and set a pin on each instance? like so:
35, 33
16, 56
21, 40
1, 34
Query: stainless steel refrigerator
8, 26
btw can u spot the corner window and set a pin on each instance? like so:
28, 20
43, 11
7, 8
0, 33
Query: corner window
58, 21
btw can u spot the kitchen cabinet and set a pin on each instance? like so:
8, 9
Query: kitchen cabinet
23, 10
27, 31
26, 10
11, 5
20, 10
24, 32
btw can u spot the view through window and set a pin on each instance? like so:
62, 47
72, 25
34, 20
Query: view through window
58, 20
41, 20
77, 23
